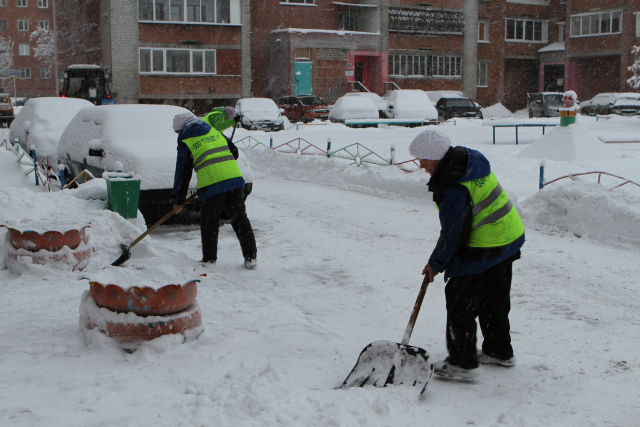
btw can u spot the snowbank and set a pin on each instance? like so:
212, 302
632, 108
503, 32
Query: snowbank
41, 122
586, 210
568, 143
496, 110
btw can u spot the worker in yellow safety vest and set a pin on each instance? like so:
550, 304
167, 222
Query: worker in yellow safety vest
481, 235
204, 149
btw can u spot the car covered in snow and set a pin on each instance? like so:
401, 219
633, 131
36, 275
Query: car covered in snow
353, 107
41, 122
260, 114
410, 104
378, 101
140, 137
435, 95
624, 103
457, 107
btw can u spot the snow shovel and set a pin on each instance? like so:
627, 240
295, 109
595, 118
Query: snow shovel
126, 250
384, 362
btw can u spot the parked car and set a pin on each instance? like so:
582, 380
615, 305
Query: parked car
23, 101
379, 102
623, 103
304, 108
545, 104
41, 122
6, 110
410, 104
260, 114
142, 139
449, 108
353, 107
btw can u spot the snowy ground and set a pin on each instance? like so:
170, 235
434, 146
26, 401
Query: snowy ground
340, 255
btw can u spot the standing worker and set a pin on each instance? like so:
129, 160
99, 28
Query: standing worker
219, 182
481, 235
221, 118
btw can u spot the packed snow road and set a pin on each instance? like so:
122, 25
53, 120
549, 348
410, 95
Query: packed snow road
340, 256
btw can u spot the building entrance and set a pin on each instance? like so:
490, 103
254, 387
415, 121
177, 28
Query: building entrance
554, 78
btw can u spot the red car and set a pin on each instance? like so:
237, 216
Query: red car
304, 108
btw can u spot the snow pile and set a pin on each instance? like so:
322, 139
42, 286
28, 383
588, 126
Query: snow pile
353, 107
586, 210
568, 143
142, 276
139, 136
496, 110
41, 122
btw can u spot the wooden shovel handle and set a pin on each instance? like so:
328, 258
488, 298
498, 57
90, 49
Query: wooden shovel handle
157, 224
416, 310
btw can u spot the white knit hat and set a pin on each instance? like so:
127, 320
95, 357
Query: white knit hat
430, 145
182, 119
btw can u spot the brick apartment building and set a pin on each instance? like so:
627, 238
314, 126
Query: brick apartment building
199, 53
18, 19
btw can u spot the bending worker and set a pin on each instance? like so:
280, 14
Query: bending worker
222, 118
219, 182
481, 235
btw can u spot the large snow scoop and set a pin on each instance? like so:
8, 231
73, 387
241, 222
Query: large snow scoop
384, 362
126, 250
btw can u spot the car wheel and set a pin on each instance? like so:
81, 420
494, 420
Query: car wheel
530, 114
303, 118
584, 112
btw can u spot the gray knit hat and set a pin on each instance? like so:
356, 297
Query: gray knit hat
430, 145
182, 119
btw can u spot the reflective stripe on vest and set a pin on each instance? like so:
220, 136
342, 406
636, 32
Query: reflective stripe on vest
213, 160
495, 221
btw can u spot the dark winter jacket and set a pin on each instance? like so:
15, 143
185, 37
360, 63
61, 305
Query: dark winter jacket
184, 166
451, 254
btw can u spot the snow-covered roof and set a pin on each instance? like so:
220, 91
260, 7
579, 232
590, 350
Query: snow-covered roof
309, 30
553, 47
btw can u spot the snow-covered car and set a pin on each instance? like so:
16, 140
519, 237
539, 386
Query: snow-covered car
260, 114
435, 95
544, 104
449, 108
410, 104
140, 137
379, 102
603, 103
41, 122
353, 107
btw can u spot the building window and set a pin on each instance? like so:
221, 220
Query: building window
638, 24
299, 1
177, 61
426, 21
483, 32
3, 25
44, 25
526, 30
406, 65
23, 25
596, 24
25, 73
302, 53
3, 3
22, 3
561, 32
483, 74
43, 4
24, 50
443, 66
45, 73
348, 22
208, 11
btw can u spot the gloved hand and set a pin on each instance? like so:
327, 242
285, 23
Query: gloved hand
237, 118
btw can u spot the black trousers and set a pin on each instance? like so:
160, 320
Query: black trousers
210, 223
486, 296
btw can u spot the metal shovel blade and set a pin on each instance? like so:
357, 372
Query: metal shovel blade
126, 254
384, 362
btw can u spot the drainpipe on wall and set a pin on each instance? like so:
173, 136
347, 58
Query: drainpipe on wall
470, 48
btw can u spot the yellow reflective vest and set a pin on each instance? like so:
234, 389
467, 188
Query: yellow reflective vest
212, 159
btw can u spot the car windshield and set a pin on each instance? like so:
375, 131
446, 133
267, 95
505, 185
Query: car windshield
311, 100
257, 104
4, 100
460, 103
553, 99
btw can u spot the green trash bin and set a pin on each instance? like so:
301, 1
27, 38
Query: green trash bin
123, 192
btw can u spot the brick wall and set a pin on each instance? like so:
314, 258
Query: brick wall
180, 87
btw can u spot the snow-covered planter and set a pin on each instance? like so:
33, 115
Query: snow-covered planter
130, 330
144, 301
